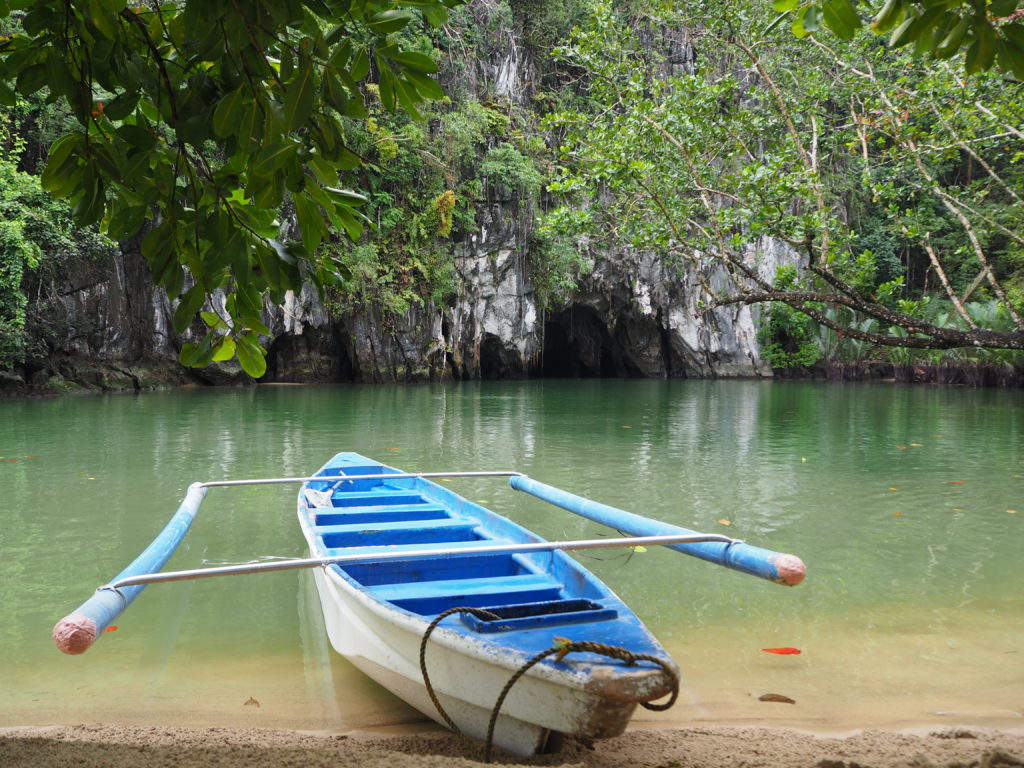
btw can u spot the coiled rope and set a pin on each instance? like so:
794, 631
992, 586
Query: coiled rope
560, 649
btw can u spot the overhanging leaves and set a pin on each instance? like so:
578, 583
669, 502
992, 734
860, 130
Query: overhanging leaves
181, 105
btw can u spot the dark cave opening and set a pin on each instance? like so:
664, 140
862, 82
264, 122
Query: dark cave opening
496, 361
577, 345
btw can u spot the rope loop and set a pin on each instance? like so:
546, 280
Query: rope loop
560, 649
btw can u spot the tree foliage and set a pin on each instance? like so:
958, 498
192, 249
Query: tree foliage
989, 32
197, 120
895, 181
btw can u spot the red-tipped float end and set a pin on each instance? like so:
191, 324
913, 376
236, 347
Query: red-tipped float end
791, 570
74, 633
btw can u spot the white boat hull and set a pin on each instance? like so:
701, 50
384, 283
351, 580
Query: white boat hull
385, 646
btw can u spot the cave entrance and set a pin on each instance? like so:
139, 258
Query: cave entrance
577, 345
496, 360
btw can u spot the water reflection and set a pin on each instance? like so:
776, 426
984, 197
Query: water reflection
897, 497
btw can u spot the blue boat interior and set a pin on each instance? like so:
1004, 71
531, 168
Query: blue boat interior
382, 514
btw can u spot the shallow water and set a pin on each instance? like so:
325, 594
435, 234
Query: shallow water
907, 503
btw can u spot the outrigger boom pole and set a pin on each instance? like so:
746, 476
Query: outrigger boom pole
78, 630
416, 554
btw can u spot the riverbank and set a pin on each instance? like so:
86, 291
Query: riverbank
73, 376
113, 746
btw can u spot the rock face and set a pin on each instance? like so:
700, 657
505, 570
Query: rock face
633, 315
105, 326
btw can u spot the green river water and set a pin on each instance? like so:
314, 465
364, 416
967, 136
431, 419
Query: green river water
906, 503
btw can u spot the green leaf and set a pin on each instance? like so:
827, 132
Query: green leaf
187, 353
360, 65
224, 349
348, 217
228, 114
981, 53
7, 95
187, 308
951, 43
60, 162
777, 20
121, 106
841, 18
386, 86
137, 136
201, 354
902, 34
271, 158
334, 93
810, 20
214, 321
407, 98
250, 127
888, 16
784, 5
299, 97
126, 221
251, 356
417, 61
31, 79
311, 223
158, 250
1011, 57
427, 86
347, 196
386, 22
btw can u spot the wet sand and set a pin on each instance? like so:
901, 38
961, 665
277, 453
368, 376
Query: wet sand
114, 746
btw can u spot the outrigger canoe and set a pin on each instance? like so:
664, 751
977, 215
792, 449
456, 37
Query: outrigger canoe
467, 616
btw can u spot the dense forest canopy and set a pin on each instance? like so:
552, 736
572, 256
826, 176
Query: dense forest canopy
873, 164
257, 145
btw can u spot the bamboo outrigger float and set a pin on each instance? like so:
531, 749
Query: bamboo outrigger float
442, 601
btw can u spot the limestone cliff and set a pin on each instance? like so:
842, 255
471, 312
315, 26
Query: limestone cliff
106, 326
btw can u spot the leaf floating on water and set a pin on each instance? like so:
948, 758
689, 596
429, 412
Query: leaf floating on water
252, 702
915, 445
902, 447
392, 449
1011, 511
638, 548
626, 426
111, 628
776, 697
897, 514
783, 651
894, 489
723, 521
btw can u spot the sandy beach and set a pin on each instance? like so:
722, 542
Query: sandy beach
113, 746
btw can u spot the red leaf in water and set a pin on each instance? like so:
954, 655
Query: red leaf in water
776, 697
897, 514
111, 628
957, 482
783, 651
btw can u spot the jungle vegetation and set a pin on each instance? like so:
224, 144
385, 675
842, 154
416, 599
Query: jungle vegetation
253, 146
